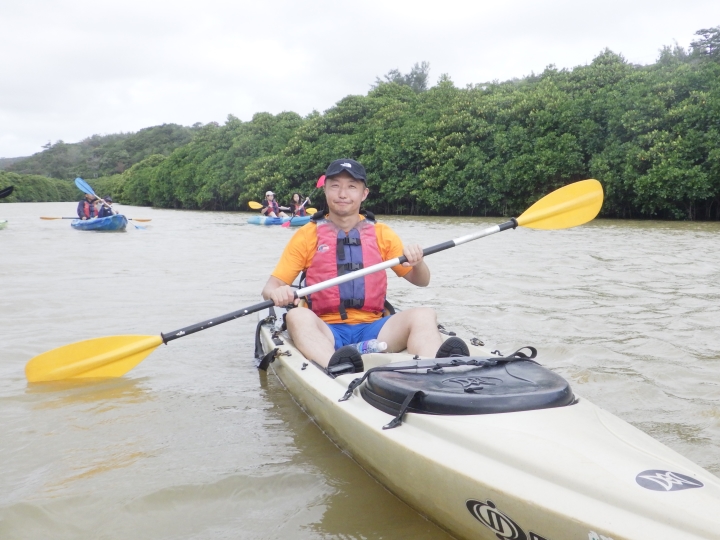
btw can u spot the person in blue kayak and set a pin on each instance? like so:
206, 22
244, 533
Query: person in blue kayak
270, 206
86, 208
336, 242
298, 204
106, 209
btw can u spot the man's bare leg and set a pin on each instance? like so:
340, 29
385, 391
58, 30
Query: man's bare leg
311, 335
414, 329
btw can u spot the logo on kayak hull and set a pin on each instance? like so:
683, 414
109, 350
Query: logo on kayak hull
503, 527
658, 480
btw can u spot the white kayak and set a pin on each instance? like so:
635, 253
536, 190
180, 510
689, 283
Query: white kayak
553, 466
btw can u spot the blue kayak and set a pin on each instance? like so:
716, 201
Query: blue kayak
111, 223
264, 220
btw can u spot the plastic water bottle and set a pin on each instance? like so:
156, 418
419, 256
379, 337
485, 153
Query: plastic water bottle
370, 346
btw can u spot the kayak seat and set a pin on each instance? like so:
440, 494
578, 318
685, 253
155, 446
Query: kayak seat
521, 385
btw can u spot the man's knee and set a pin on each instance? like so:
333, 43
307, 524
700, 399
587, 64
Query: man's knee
424, 314
302, 318
297, 316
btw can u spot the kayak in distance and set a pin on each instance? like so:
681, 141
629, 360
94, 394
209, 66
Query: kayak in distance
117, 222
494, 447
264, 220
3, 223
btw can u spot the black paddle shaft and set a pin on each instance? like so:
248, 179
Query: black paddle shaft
334, 281
217, 320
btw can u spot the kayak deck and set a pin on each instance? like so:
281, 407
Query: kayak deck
117, 222
568, 472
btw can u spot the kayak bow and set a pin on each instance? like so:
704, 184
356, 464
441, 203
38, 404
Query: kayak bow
565, 471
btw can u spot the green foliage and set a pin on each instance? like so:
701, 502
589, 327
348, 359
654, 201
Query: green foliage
709, 44
650, 134
34, 188
109, 185
417, 79
105, 155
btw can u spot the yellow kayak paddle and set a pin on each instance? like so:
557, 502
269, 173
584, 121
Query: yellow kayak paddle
114, 356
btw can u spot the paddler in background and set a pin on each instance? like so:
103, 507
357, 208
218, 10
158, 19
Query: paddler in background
86, 207
335, 243
106, 209
270, 206
297, 207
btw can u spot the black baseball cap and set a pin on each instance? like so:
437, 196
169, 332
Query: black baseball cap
350, 166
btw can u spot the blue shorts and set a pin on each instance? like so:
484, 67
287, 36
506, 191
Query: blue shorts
347, 334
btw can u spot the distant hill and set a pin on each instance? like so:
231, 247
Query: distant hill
6, 162
101, 155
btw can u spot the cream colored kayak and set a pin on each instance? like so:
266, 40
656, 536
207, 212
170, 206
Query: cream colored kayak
571, 472
3, 223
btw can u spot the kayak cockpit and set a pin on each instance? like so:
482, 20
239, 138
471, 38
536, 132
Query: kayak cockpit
397, 383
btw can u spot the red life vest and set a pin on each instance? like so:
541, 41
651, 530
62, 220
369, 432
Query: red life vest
89, 210
338, 254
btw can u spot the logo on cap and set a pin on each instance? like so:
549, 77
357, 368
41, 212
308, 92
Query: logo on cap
346, 165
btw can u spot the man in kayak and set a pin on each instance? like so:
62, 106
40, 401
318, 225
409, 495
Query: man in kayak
86, 207
106, 209
270, 206
336, 243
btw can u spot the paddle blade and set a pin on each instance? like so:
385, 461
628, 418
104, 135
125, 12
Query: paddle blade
83, 186
320, 182
6, 192
311, 211
286, 225
138, 219
254, 205
111, 356
45, 217
569, 206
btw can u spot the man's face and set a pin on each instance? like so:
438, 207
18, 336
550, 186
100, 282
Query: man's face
345, 194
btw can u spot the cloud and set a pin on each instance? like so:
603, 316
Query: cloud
73, 68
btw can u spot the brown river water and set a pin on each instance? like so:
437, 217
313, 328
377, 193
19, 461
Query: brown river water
194, 443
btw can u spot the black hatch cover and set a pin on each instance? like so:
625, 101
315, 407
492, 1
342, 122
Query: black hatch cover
521, 385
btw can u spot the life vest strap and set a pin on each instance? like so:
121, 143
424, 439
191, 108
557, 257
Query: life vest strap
349, 267
347, 241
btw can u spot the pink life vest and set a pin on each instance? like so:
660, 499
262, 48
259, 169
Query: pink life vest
272, 207
338, 254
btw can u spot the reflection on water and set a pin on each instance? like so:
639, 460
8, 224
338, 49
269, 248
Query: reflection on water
194, 443
104, 393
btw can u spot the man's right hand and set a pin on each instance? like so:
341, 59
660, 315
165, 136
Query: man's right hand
279, 292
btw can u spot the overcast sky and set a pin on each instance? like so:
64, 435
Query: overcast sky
73, 68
